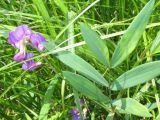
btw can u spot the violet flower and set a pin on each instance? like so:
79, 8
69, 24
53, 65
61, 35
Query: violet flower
75, 113
82, 102
19, 56
30, 64
37, 40
17, 37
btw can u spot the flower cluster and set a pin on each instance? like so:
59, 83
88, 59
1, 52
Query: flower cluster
19, 38
75, 112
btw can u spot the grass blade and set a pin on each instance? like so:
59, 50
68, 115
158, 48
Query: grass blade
43, 11
47, 100
61, 5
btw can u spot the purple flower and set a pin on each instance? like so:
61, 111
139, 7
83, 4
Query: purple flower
76, 115
21, 33
37, 40
30, 64
19, 57
82, 102
18, 39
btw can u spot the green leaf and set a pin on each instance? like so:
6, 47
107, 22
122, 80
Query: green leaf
61, 5
78, 64
155, 48
130, 39
47, 100
95, 43
27, 117
86, 87
45, 14
138, 75
56, 116
131, 106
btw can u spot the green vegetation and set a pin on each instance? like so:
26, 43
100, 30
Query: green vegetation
105, 52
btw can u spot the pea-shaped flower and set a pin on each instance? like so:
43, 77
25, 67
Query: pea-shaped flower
76, 115
37, 40
75, 112
19, 38
30, 64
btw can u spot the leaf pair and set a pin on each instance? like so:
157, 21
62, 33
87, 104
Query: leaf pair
87, 88
127, 43
131, 78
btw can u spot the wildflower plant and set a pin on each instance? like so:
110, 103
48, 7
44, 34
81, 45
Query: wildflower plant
81, 81
117, 73
20, 38
76, 114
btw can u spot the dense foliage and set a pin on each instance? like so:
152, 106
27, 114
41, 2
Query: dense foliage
100, 61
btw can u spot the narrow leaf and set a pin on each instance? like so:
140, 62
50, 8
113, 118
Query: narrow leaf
95, 43
131, 106
155, 48
61, 5
86, 87
130, 39
45, 14
138, 75
78, 64
47, 100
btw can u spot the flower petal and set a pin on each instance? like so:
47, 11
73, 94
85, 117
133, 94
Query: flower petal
24, 66
19, 33
28, 32
22, 32
37, 40
19, 57
74, 111
30, 64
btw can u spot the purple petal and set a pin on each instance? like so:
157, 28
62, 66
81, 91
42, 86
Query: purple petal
82, 102
19, 57
24, 66
37, 40
11, 39
75, 114
30, 64
29, 55
19, 34
74, 111
28, 32
35, 66
23, 31
76, 117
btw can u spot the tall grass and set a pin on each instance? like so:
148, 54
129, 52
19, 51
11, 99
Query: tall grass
45, 93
